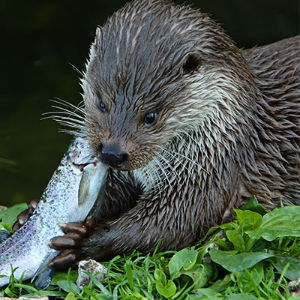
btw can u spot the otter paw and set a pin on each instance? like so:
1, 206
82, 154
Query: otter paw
25, 215
82, 240
74, 233
70, 243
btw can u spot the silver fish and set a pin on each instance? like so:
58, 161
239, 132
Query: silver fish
69, 197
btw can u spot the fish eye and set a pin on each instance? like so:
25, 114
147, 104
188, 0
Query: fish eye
102, 106
150, 118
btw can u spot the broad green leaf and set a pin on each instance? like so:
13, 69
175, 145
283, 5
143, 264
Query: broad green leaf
71, 296
5, 232
236, 238
200, 274
221, 285
184, 259
60, 276
204, 294
223, 244
293, 271
203, 250
254, 205
168, 290
159, 275
9, 215
247, 219
233, 262
240, 297
6, 227
68, 286
281, 222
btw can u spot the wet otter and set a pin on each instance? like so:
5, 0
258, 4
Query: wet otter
191, 125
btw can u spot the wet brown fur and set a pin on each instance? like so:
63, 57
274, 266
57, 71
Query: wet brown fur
225, 132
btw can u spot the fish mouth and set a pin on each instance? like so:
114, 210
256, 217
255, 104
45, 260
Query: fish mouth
82, 166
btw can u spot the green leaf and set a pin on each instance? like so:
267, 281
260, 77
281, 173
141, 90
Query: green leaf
9, 215
184, 259
168, 290
236, 238
221, 285
293, 271
248, 220
60, 276
68, 286
204, 294
240, 297
6, 227
233, 262
254, 205
70, 296
129, 274
200, 274
159, 275
9, 293
281, 222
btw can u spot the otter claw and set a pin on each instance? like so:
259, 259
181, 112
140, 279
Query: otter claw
66, 259
25, 215
65, 242
82, 228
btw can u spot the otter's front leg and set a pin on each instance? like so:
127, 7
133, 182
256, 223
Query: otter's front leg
140, 228
71, 244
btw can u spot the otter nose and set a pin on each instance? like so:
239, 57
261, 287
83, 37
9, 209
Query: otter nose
112, 155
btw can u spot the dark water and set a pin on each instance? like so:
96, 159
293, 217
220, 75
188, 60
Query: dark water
39, 41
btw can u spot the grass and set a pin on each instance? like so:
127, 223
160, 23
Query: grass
252, 257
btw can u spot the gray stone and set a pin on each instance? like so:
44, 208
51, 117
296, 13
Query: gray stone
92, 267
294, 287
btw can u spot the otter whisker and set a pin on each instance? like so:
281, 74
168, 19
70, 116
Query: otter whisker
73, 132
67, 123
67, 117
61, 119
67, 104
74, 113
60, 114
81, 73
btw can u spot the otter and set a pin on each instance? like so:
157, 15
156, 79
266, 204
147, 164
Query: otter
190, 125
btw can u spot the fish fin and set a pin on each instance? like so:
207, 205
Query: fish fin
43, 279
43, 276
83, 190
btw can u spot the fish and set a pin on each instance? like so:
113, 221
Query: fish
71, 193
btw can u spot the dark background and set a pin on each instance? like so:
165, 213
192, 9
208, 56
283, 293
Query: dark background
39, 41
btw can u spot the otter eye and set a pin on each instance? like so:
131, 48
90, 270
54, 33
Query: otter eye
101, 106
192, 63
150, 118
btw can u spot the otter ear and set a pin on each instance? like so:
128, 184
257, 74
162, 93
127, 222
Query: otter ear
191, 63
95, 45
98, 35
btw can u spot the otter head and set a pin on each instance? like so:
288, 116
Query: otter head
139, 85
